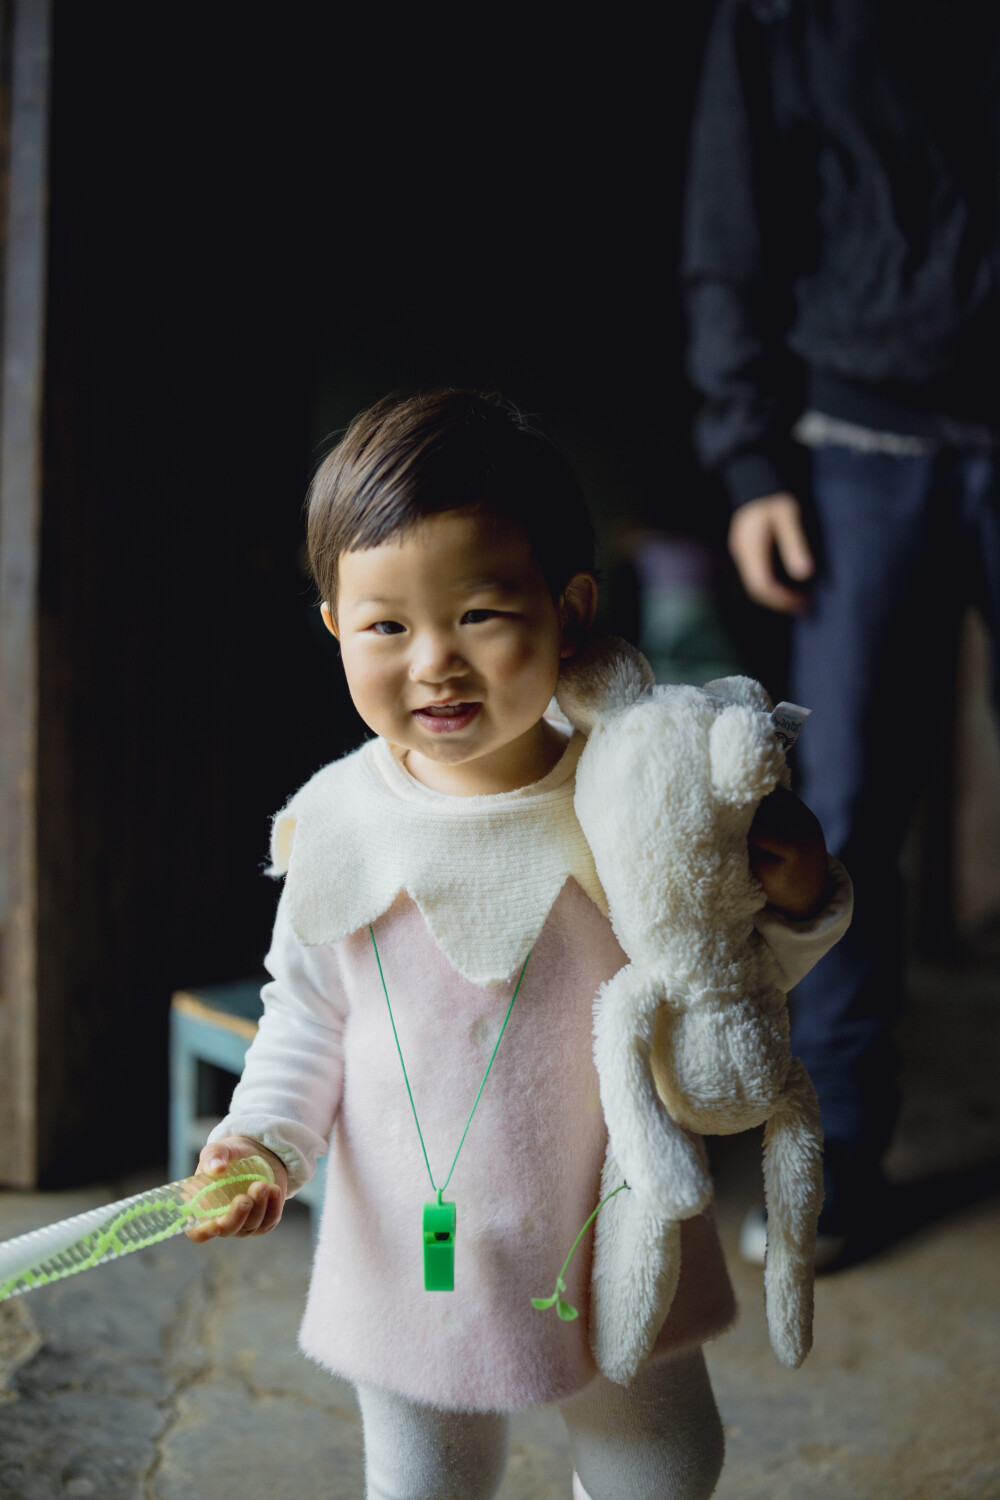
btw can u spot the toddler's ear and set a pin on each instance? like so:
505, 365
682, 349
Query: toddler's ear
577, 604
328, 619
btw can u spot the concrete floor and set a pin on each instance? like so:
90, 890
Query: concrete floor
173, 1374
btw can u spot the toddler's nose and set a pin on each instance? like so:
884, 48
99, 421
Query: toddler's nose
436, 661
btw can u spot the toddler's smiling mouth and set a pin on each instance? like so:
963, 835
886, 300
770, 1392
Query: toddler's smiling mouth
446, 717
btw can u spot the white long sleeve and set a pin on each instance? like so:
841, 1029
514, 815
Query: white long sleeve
290, 1091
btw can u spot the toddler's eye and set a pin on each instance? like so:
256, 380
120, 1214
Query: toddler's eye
477, 616
386, 627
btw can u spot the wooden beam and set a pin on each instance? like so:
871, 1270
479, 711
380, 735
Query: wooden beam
23, 333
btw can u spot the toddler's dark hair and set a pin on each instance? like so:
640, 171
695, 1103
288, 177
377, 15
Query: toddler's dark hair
409, 457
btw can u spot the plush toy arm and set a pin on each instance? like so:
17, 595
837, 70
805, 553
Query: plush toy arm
658, 1159
793, 1188
637, 1263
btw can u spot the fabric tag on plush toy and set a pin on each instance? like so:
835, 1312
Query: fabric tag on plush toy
788, 719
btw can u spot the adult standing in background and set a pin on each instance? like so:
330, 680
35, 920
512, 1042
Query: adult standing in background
841, 265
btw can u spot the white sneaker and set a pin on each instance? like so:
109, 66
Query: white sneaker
753, 1241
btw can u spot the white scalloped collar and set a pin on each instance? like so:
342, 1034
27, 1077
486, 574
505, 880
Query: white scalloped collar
484, 871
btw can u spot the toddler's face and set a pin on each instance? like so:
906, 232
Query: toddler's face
451, 643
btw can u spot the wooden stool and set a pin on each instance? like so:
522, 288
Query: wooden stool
215, 1025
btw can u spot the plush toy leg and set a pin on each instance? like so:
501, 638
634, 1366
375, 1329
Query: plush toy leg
654, 1152
793, 1187
637, 1263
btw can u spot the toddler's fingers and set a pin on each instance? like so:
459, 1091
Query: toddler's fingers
253, 1212
219, 1228
256, 1209
767, 848
227, 1225
273, 1210
214, 1160
199, 1233
783, 822
259, 1199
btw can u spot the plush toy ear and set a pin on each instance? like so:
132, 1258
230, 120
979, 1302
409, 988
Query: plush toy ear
744, 755
608, 674
743, 690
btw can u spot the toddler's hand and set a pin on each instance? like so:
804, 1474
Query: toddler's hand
788, 854
253, 1212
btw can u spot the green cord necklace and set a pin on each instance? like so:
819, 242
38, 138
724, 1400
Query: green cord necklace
439, 1217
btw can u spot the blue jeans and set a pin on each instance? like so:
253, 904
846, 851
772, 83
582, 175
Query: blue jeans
903, 545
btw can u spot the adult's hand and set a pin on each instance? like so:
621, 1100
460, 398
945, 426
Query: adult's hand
763, 531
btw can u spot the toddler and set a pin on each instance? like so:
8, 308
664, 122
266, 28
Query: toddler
436, 952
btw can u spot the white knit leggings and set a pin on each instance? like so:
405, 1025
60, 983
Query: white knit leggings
659, 1439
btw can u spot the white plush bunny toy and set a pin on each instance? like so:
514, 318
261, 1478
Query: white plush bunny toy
693, 1033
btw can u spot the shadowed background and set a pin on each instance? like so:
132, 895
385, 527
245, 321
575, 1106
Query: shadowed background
260, 221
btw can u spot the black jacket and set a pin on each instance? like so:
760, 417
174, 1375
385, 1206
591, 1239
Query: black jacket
842, 229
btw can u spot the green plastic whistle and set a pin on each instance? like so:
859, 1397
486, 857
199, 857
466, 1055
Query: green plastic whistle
439, 1246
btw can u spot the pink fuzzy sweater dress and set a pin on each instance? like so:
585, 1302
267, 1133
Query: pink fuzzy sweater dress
459, 891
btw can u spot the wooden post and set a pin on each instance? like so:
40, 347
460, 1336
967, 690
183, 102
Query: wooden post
26, 44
